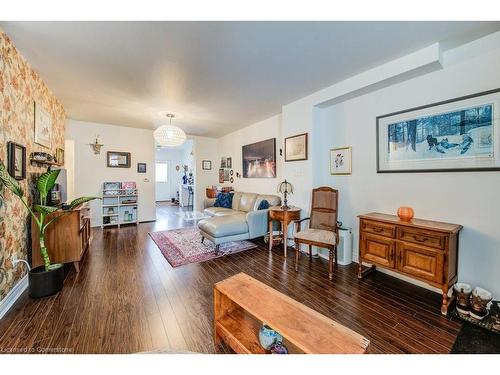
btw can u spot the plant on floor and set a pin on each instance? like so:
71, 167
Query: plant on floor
39, 212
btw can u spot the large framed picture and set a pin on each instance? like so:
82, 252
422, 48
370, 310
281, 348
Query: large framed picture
43, 126
296, 147
117, 159
259, 159
16, 163
460, 134
341, 161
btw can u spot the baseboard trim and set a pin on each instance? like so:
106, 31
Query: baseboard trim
13, 296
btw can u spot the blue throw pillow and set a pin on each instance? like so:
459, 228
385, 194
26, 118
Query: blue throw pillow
224, 200
264, 205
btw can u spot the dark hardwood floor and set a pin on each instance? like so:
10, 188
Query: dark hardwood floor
127, 298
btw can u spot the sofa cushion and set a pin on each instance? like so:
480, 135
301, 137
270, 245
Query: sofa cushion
273, 200
236, 200
224, 200
264, 205
247, 202
220, 211
223, 226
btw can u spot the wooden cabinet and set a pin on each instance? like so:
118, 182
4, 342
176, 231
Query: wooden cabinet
67, 239
422, 249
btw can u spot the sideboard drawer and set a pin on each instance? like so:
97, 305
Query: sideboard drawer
424, 238
381, 229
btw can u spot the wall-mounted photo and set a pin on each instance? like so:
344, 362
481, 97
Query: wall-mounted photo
341, 160
296, 147
206, 165
116, 159
259, 159
221, 176
455, 135
223, 162
141, 167
43, 126
226, 174
60, 156
16, 163
229, 162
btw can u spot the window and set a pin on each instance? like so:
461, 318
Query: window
161, 168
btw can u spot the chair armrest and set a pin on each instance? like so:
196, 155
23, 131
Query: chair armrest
208, 202
298, 222
257, 223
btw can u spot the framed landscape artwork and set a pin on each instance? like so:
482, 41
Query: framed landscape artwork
460, 134
296, 147
340, 161
43, 126
259, 159
117, 159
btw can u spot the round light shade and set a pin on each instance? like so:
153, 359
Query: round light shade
169, 135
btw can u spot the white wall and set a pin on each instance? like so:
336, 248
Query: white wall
91, 170
231, 145
204, 149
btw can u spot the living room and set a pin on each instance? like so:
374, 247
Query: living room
259, 187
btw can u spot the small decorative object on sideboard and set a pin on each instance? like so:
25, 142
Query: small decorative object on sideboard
479, 301
285, 188
268, 337
406, 213
463, 292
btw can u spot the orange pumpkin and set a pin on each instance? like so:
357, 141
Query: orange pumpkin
405, 213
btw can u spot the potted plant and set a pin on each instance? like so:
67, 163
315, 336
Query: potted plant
48, 279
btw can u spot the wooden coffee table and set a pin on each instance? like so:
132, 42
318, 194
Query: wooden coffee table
242, 304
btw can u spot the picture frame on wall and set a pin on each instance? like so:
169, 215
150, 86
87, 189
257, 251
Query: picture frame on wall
296, 147
118, 159
43, 126
221, 175
341, 161
259, 159
206, 165
141, 168
223, 162
60, 156
460, 134
16, 163
226, 174
229, 162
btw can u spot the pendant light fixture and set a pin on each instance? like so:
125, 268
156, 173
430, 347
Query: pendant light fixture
169, 135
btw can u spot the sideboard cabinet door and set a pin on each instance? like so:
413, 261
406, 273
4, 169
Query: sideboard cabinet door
420, 262
377, 250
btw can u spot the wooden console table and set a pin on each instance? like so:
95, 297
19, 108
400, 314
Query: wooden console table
421, 249
284, 217
242, 304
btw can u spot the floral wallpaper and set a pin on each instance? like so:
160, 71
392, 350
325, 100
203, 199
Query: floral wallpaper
20, 88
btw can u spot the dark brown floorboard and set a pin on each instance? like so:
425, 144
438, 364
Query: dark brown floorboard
128, 298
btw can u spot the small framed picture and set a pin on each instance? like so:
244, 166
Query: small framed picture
141, 167
296, 147
43, 126
116, 159
223, 162
221, 176
341, 161
16, 160
229, 162
60, 156
206, 165
226, 174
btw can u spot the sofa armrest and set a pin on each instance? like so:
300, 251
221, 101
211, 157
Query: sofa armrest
208, 202
257, 223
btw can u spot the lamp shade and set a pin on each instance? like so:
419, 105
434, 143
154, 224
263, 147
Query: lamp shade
169, 136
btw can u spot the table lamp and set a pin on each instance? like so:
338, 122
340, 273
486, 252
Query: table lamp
285, 188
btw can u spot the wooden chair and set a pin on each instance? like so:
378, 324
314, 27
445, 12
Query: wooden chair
323, 230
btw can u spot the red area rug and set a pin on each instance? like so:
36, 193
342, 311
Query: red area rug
183, 246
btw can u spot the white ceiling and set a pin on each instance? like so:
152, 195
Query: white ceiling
219, 75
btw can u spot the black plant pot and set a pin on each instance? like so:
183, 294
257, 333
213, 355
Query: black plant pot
45, 283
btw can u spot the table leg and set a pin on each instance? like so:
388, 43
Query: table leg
285, 237
270, 235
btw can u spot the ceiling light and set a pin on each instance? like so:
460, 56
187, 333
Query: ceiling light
169, 135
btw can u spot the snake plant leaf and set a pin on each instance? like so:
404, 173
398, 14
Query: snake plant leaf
10, 182
44, 209
78, 201
46, 182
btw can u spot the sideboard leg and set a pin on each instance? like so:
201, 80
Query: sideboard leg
364, 272
445, 306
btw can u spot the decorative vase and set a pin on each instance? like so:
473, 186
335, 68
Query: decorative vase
268, 337
405, 213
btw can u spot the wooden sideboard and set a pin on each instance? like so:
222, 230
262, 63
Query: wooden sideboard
421, 249
67, 238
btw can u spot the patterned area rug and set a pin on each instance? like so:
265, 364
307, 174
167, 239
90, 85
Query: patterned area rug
183, 246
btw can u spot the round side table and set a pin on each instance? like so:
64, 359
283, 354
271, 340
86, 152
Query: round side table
284, 216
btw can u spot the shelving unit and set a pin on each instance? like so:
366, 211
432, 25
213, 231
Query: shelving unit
119, 207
